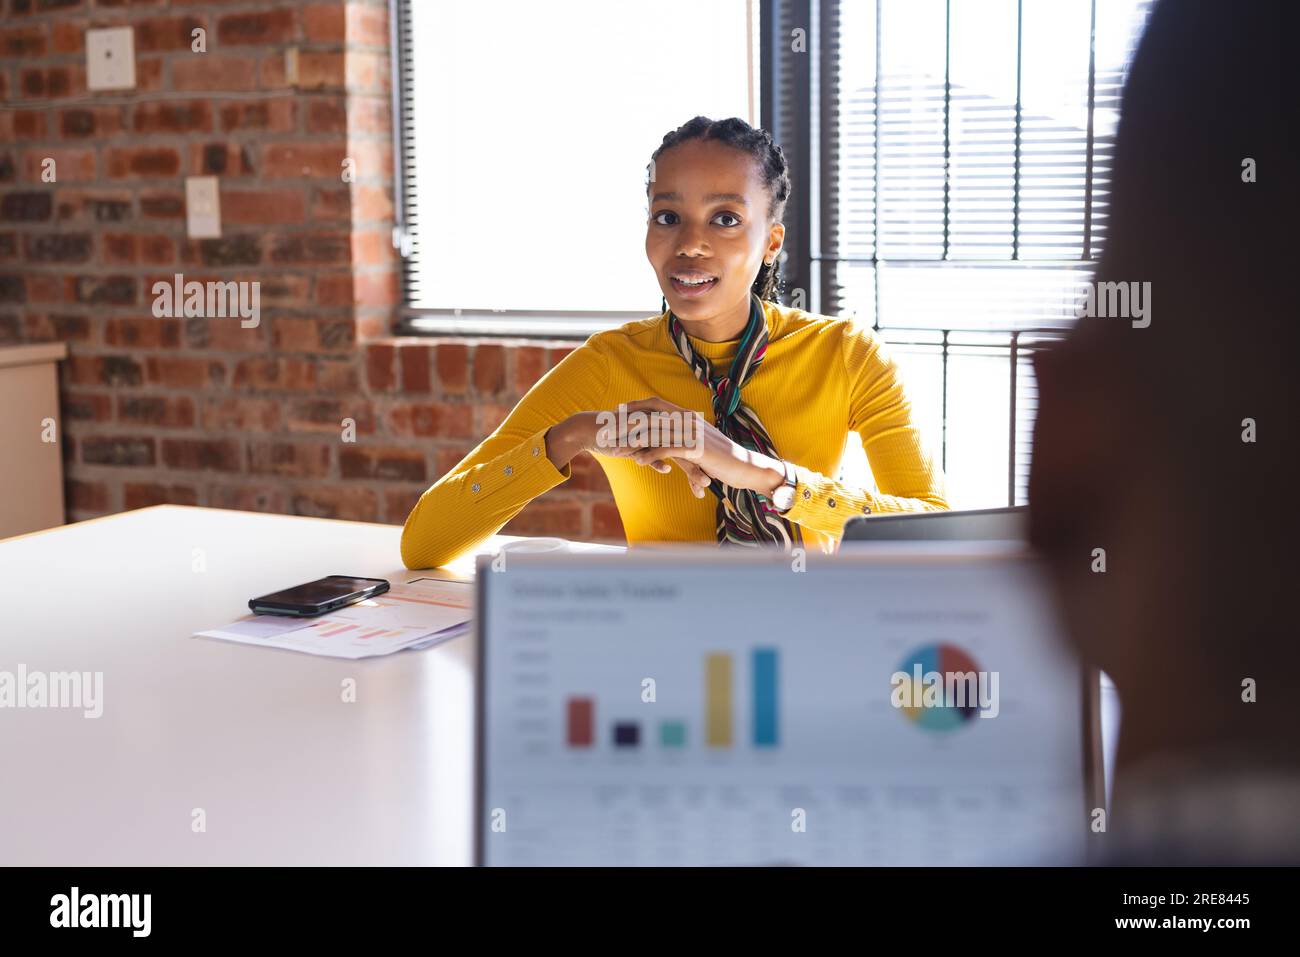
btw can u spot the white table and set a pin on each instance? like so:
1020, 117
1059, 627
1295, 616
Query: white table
283, 769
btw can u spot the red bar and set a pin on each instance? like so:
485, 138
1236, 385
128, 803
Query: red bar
581, 722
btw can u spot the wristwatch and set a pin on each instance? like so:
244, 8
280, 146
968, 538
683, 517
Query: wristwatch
783, 497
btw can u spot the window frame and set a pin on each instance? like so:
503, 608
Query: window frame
563, 325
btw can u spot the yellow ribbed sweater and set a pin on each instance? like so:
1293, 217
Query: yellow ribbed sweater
821, 378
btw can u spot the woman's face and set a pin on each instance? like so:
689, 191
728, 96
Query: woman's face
708, 231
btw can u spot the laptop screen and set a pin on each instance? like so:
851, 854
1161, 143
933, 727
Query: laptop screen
904, 705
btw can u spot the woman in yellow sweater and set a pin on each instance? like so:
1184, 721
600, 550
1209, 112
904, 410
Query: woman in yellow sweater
748, 456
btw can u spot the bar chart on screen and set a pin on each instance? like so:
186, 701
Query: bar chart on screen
714, 725
632, 721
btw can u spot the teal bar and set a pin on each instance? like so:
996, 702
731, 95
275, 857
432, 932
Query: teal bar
672, 734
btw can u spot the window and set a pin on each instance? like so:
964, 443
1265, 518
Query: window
951, 173
527, 130
950, 161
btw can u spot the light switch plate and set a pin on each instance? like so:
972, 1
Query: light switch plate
202, 207
110, 59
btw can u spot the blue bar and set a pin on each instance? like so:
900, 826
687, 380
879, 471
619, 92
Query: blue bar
765, 697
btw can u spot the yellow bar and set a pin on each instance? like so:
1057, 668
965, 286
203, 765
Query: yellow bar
717, 691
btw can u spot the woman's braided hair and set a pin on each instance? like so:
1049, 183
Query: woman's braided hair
759, 144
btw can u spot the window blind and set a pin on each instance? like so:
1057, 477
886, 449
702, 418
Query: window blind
961, 153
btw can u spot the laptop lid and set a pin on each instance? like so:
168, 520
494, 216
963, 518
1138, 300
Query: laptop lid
898, 705
985, 524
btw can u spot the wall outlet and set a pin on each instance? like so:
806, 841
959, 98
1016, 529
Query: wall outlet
110, 59
202, 207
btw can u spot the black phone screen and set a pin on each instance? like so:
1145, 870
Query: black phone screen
320, 592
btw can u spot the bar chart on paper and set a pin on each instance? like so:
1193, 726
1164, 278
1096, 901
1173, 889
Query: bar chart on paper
362, 632
407, 613
411, 614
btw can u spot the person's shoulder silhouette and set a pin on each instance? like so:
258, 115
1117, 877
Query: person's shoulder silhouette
1170, 443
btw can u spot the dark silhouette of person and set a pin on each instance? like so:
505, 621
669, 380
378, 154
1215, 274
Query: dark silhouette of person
1172, 447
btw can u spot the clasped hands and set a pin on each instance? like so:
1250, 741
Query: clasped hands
655, 432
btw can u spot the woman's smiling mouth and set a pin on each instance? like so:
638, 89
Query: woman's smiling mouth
691, 284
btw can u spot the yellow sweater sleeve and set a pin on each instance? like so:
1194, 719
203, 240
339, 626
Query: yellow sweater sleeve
509, 468
879, 411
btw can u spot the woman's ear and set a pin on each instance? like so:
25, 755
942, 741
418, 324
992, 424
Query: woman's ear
775, 240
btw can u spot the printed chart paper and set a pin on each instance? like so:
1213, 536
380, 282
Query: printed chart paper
415, 614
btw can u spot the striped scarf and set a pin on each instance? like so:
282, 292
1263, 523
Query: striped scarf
744, 516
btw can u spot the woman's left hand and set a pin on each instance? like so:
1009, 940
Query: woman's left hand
699, 449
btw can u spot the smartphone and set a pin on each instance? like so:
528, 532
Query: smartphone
318, 597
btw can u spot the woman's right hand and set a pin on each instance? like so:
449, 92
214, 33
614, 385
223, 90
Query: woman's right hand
593, 432
590, 432
570, 436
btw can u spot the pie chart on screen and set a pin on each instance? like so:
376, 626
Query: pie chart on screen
943, 659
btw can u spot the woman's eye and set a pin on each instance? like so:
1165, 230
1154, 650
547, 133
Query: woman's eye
735, 220
658, 218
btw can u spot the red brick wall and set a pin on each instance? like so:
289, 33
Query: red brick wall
201, 410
